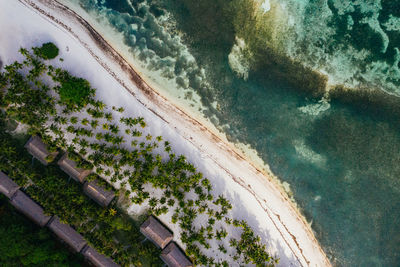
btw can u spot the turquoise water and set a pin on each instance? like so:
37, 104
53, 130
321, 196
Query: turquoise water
340, 154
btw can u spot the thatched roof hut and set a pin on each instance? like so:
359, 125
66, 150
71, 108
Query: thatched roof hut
154, 230
7, 186
67, 234
98, 193
173, 256
29, 208
96, 258
38, 149
69, 167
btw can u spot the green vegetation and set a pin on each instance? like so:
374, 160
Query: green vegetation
74, 92
23, 243
46, 51
50, 187
120, 151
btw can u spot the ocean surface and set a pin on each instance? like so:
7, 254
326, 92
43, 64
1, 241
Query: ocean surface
313, 86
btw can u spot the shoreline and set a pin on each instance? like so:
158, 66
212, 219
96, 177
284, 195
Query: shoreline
298, 239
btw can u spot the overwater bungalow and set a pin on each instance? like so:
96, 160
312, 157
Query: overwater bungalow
69, 167
39, 150
29, 208
154, 230
97, 259
7, 186
67, 234
98, 193
173, 256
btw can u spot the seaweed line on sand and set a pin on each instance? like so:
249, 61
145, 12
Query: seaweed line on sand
161, 101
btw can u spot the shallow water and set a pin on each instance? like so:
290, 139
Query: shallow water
341, 157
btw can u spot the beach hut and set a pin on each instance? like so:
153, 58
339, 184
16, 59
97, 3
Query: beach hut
38, 149
173, 256
69, 167
29, 208
7, 186
67, 234
98, 193
97, 259
154, 230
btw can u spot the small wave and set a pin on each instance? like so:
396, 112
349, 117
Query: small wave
238, 60
308, 154
317, 108
266, 6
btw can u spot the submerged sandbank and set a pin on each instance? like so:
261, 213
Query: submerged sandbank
250, 188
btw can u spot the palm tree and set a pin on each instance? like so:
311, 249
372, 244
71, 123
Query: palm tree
71, 129
108, 117
73, 120
63, 120
114, 128
99, 136
94, 123
99, 105
136, 133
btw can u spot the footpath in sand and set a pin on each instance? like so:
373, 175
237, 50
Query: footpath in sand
254, 194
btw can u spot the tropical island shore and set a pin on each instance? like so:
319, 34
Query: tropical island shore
255, 195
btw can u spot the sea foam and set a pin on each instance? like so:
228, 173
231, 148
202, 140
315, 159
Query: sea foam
266, 6
238, 60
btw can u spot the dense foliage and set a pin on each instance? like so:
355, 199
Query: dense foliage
74, 92
46, 51
52, 188
121, 152
22, 243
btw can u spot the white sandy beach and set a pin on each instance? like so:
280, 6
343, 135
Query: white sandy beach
255, 195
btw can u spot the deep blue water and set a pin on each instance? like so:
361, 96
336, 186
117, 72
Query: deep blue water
343, 162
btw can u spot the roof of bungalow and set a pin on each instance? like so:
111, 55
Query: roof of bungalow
67, 234
156, 232
38, 149
29, 208
173, 256
69, 167
7, 186
97, 259
98, 193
